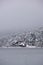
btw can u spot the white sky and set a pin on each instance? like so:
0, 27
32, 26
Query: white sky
20, 14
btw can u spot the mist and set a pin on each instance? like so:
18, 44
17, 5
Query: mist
20, 15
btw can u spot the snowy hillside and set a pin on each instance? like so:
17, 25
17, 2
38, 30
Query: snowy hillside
24, 39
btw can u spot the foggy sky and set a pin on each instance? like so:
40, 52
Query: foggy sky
20, 14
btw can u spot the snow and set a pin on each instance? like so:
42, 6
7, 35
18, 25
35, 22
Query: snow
30, 46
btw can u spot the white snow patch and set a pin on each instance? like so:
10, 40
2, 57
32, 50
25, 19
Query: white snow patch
30, 46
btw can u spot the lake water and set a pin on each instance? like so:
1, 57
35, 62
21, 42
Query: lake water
21, 56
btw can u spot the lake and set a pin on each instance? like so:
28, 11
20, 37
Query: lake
21, 56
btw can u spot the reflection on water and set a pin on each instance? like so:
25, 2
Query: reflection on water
21, 56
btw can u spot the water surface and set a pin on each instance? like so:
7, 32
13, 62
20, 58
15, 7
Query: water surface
21, 56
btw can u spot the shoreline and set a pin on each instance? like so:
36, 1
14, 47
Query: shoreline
23, 47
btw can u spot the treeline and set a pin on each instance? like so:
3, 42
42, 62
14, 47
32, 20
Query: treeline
26, 38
